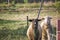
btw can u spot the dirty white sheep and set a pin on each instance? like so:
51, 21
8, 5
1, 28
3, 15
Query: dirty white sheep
46, 28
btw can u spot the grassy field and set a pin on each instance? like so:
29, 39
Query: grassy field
13, 25
25, 5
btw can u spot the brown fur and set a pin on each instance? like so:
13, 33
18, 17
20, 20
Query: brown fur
30, 32
44, 33
46, 28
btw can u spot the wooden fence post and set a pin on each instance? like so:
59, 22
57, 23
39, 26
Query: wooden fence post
27, 22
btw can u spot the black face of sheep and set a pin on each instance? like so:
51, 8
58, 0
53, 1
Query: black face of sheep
35, 23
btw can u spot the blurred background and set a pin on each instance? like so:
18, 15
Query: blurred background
13, 22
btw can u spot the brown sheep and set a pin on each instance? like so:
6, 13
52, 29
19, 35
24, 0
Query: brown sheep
31, 33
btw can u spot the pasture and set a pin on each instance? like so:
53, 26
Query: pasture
13, 25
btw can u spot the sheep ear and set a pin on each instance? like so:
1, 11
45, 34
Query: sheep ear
41, 19
30, 20
50, 17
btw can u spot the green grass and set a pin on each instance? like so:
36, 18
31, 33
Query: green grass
7, 34
23, 5
28, 5
32, 5
12, 30
11, 24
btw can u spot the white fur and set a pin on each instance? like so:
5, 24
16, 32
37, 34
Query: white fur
44, 24
46, 21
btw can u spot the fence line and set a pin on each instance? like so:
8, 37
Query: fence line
22, 9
